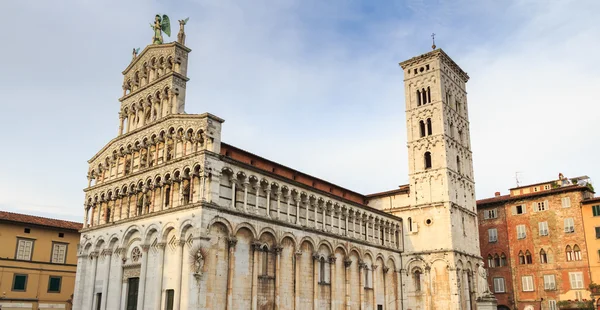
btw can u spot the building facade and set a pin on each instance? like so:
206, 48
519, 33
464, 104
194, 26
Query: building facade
177, 219
590, 210
534, 244
37, 262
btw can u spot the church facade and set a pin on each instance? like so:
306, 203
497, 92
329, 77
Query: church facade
177, 219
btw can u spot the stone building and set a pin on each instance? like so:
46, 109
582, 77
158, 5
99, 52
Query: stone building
534, 244
177, 219
37, 262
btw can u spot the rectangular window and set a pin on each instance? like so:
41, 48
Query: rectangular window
19, 283
540, 206
24, 249
546, 187
576, 279
569, 225
527, 283
520, 209
521, 233
552, 305
543, 228
596, 210
597, 232
492, 235
549, 282
98, 301
566, 202
499, 285
59, 253
132, 293
54, 284
490, 214
170, 298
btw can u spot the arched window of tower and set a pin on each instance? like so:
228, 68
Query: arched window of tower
428, 95
423, 96
427, 160
409, 222
429, 127
422, 128
418, 98
458, 168
451, 130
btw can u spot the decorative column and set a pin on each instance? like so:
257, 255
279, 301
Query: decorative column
278, 196
331, 214
298, 209
347, 264
315, 258
246, 184
128, 204
308, 204
121, 118
172, 192
143, 271
324, 216
297, 280
85, 215
233, 192
316, 205
106, 279
374, 282
361, 278
92, 285
346, 215
256, 210
277, 252
231, 242
386, 298
287, 200
332, 281
158, 288
360, 226
268, 194
180, 244
255, 249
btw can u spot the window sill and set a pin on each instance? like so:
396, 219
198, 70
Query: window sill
324, 283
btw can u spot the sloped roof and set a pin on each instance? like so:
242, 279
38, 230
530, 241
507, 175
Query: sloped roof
40, 221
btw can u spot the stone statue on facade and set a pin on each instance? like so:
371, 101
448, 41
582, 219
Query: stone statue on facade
160, 25
181, 34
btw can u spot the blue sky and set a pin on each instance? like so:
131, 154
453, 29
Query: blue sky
314, 85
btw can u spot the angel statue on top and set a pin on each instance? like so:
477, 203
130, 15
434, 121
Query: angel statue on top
160, 25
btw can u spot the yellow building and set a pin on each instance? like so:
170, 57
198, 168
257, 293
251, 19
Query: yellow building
591, 222
38, 261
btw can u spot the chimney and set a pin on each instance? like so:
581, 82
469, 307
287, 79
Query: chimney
496, 194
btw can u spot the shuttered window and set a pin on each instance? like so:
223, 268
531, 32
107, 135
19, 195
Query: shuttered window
543, 228
596, 210
59, 253
576, 279
521, 232
492, 235
566, 202
499, 285
569, 225
24, 249
527, 283
549, 282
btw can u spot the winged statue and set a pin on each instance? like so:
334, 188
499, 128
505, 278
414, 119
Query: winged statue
160, 25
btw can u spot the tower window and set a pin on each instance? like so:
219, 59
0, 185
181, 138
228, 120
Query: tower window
418, 97
417, 280
458, 164
429, 127
427, 160
428, 95
422, 128
423, 96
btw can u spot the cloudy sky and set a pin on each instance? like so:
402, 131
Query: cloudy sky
314, 85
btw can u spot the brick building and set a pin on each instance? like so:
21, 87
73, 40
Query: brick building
534, 244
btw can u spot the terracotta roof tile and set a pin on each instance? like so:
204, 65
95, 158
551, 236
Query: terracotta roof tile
37, 220
591, 200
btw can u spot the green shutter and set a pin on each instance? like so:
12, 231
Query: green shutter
54, 285
20, 283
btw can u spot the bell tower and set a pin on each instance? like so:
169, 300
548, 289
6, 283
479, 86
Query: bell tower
442, 220
154, 85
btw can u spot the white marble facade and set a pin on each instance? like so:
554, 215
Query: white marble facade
174, 221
